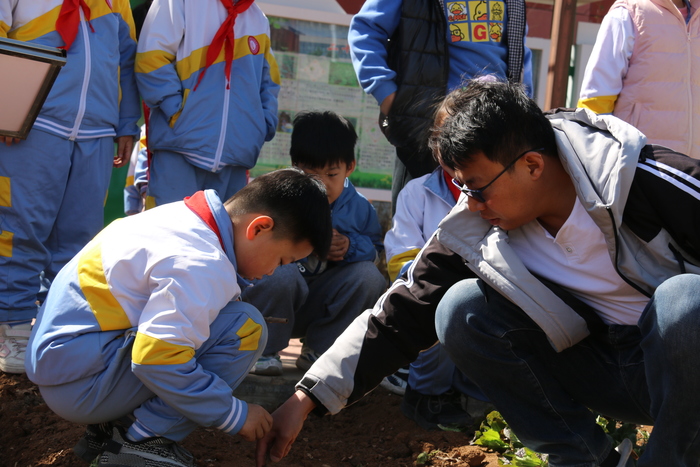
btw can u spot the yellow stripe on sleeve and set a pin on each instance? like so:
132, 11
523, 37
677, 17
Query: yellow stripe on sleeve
148, 350
4, 28
46, 23
6, 243
397, 262
93, 283
274, 68
250, 334
5, 192
599, 105
147, 62
198, 58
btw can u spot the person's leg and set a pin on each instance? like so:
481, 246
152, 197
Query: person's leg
227, 182
221, 355
671, 347
171, 178
278, 296
545, 396
33, 175
399, 179
336, 298
81, 215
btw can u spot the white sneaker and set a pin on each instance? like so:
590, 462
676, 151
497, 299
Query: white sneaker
13, 345
268, 365
397, 382
306, 358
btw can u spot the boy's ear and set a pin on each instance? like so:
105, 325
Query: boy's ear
535, 164
350, 168
259, 225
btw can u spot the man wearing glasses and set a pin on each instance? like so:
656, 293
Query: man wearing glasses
565, 281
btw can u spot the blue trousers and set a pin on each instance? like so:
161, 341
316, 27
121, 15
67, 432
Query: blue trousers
172, 178
52, 194
645, 374
317, 308
116, 393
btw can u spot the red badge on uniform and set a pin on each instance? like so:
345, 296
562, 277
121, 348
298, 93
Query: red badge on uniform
253, 45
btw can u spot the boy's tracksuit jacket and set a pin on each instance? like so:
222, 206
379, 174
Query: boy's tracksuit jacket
420, 207
95, 93
614, 172
353, 216
159, 278
220, 123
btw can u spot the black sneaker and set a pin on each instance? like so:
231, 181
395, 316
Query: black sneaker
93, 442
443, 412
151, 452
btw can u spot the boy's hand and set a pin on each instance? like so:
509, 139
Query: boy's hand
288, 422
125, 144
8, 140
257, 424
339, 246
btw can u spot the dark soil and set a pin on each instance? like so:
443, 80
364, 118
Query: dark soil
373, 432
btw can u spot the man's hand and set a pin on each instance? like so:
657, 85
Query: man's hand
8, 140
339, 246
386, 104
288, 422
257, 423
125, 144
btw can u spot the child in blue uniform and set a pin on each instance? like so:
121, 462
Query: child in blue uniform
143, 326
320, 298
54, 183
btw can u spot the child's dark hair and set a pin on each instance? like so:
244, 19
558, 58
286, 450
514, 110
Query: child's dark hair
492, 116
320, 138
295, 201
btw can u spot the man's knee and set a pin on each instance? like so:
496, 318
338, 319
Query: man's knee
459, 308
675, 307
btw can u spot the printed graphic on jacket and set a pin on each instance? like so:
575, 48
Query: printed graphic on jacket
476, 21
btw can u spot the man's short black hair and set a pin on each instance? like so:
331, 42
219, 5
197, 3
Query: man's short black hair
295, 201
494, 117
320, 138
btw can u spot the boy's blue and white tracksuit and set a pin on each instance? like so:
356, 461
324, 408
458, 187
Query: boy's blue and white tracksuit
53, 184
142, 321
219, 127
420, 207
320, 299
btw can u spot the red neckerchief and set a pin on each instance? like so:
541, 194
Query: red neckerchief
453, 188
198, 205
224, 38
69, 19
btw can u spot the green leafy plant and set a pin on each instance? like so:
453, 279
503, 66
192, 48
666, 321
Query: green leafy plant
618, 431
424, 457
495, 434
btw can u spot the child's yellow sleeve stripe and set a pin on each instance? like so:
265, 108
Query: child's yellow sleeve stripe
108, 312
147, 62
398, 261
250, 334
599, 105
148, 350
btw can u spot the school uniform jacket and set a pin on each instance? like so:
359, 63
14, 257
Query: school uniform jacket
353, 216
219, 123
158, 279
95, 92
420, 207
645, 201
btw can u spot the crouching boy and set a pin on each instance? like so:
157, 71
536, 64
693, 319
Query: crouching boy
141, 336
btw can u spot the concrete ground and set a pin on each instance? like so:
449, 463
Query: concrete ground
271, 391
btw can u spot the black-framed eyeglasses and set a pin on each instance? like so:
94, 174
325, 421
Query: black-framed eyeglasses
478, 194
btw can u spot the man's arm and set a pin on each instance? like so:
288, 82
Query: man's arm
370, 29
376, 344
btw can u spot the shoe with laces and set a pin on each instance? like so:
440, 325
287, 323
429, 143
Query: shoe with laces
436, 412
151, 452
397, 382
93, 443
268, 365
13, 345
306, 358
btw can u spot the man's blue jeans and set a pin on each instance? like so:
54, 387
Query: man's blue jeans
647, 374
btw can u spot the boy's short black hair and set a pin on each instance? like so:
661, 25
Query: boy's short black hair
320, 138
494, 117
295, 201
